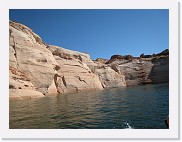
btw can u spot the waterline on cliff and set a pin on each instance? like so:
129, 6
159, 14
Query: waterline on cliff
135, 107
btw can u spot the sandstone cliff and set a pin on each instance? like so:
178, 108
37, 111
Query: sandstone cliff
31, 64
74, 75
37, 69
136, 70
142, 70
160, 71
108, 76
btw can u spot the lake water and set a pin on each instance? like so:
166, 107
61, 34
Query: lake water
137, 107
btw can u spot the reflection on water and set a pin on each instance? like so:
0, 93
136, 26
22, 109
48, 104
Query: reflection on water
138, 107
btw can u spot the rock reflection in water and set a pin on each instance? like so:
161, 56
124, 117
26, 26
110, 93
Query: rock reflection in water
138, 107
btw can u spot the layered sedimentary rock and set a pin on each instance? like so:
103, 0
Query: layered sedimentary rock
101, 60
37, 69
160, 71
108, 76
136, 71
142, 70
74, 75
31, 64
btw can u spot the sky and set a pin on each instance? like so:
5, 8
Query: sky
100, 33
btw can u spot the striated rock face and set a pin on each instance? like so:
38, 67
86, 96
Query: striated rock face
31, 64
160, 70
142, 70
69, 54
74, 75
136, 71
37, 69
108, 77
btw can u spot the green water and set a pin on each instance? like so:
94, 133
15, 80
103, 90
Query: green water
137, 107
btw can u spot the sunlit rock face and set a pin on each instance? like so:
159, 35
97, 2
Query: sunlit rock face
74, 75
44, 69
37, 69
109, 78
31, 64
136, 71
145, 69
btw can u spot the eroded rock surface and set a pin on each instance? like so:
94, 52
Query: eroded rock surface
31, 64
142, 70
108, 77
136, 71
45, 69
37, 69
160, 70
74, 75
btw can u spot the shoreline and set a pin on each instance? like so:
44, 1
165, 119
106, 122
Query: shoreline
28, 97
41, 69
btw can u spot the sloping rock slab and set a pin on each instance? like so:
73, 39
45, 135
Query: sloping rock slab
22, 94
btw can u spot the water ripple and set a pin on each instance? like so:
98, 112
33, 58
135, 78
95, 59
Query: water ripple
137, 107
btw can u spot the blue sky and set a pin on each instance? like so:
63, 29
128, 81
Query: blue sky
101, 33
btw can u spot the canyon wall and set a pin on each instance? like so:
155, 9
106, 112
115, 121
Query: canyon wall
146, 69
37, 69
